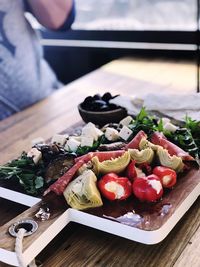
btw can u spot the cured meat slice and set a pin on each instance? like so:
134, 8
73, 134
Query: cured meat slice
134, 143
159, 139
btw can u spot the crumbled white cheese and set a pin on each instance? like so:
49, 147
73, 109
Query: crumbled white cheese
165, 120
125, 133
156, 185
126, 121
167, 125
98, 132
111, 134
115, 188
76, 137
38, 140
72, 145
58, 139
170, 127
35, 154
86, 141
90, 130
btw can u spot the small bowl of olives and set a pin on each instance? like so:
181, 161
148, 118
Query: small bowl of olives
100, 111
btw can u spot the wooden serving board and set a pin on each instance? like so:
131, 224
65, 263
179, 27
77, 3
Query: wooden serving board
148, 224
157, 220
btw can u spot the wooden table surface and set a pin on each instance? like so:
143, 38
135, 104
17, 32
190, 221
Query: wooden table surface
79, 245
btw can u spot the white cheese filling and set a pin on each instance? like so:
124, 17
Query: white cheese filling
166, 179
115, 188
156, 185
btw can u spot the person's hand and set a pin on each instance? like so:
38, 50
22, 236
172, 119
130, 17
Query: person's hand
51, 13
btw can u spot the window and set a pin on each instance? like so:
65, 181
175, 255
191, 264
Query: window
176, 15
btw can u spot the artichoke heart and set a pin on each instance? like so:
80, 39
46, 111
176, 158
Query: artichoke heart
82, 193
116, 165
172, 162
144, 143
145, 155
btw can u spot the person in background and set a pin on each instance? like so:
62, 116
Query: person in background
25, 77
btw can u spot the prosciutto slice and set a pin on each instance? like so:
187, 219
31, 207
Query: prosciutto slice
159, 139
134, 143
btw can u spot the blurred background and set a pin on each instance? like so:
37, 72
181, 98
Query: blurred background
136, 15
109, 29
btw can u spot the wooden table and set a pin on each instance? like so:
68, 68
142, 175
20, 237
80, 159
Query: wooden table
79, 245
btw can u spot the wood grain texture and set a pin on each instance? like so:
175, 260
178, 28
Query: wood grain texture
156, 215
9, 210
82, 246
7, 241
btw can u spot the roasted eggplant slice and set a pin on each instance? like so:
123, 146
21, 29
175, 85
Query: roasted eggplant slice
57, 167
112, 146
50, 152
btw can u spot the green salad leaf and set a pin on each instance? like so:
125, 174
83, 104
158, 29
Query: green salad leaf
186, 137
24, 170
145, 122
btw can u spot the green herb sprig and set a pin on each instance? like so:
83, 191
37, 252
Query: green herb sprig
145, 122
24, 170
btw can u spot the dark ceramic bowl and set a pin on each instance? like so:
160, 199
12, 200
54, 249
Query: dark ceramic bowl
102, 117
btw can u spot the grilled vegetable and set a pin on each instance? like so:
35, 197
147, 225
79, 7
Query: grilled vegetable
144, 143
116, 165
82, 193
145, 155
172, 162
58, 167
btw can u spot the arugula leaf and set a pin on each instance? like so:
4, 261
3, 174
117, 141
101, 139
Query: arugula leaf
194, 127
145, 122
160, 126
28, 174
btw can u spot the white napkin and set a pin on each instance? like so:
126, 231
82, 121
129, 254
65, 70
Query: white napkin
174, 105
172, 101
128, 102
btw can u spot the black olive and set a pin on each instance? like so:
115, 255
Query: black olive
97, 104
88, 99
107, 96
97, 97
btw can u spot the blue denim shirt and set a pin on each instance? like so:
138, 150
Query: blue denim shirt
25, 77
